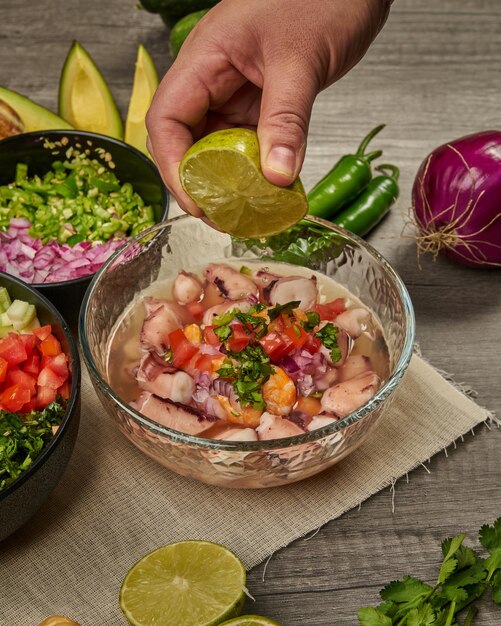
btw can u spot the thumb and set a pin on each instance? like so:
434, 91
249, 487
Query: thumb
286, 105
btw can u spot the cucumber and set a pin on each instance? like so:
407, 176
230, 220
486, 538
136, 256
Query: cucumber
17, 310
5, 300
182, 29
17, 316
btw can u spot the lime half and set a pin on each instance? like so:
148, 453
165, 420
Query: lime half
222, 175
250, 620
190, 583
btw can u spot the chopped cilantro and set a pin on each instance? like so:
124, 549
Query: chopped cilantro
223, 332
22, 439
278, 309
225, 318
313, 319
328, 336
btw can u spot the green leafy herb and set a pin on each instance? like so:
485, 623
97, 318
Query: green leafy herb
223, 332
22, 439
463, 577
313, 319
278, 309
328, 336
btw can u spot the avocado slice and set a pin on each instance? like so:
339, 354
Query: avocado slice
143, 88
85, 99
31, 116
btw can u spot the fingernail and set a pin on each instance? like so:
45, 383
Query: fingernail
282, 159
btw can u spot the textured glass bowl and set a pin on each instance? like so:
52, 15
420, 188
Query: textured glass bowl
185, 243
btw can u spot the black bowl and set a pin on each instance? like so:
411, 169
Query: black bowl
131, 166
21, 499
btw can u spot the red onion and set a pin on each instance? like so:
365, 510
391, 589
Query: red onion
457, 201
30, 260
288, 364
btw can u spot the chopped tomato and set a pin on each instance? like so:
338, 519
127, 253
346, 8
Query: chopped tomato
32, 365
13, 398
12, 349
15, 376
239, 338
43, 332
32, 405
196, 309
330, 310
28, 341
276, 346
50, 346
182, 349
312, 344
65, 390
210, 336
45, 395
49, 378
204, 363
58, 364
4, 364
297, 335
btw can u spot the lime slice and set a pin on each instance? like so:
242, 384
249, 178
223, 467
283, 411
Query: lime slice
190, 583
222, 175
250, 620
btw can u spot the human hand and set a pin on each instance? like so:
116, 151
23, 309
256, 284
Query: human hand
260, 64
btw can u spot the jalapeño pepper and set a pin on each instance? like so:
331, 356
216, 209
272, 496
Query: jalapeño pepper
372, 204
349, 176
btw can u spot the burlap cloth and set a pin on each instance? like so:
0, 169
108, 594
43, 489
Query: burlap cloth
114, 504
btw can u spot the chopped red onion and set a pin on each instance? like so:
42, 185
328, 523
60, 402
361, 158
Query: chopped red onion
288, 364
30, 260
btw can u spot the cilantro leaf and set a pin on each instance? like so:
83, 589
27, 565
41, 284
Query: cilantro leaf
493, 563
446, 569
313, 319
490, 536
405, 590
278, 309
370, 616
465, 556
421, 616
225, 318
328, 336
449, 564
223, 332
496, 587
472, 611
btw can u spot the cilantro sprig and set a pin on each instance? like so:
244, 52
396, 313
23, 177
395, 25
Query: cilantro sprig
463, 577
328, 336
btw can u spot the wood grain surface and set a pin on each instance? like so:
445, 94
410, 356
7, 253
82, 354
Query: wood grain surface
432, 75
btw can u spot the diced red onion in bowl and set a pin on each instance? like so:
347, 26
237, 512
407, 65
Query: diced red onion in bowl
34, 262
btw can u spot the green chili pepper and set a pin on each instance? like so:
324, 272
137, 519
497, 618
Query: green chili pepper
345, 181
372, 204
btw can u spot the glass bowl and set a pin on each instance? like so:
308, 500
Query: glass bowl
187, 243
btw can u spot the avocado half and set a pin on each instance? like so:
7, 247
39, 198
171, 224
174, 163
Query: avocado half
85, 99
32, 116
143, 89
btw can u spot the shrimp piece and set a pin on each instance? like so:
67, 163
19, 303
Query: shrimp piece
230, 283
276, 427
187, 288
236, 414
343, 398
193, 333
279, 393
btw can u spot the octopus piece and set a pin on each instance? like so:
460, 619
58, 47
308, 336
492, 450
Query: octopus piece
326, 380
276, 427
279, 393
231, 284
187, 288
265, 281
354, 365
343, 398
180, 417
354, 321
295, 288
225, 307
344, 342
237, 434
177, 386
161, 319
320, 421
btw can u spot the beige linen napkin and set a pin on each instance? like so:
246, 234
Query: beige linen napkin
114, 504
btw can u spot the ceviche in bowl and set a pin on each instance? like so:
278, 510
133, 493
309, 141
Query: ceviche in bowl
246, 363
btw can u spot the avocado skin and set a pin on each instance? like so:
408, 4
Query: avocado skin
182, 29
34, 116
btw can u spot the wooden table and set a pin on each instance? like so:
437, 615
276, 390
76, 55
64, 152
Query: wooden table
432, 75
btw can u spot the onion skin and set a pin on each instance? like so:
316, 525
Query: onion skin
457, 200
